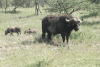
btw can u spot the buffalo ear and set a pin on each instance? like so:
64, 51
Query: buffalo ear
82, 19
70, 22
67, 21
29, 29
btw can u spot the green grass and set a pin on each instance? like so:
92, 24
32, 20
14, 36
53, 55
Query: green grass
28, 50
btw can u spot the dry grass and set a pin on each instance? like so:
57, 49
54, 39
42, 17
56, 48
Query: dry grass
29, 50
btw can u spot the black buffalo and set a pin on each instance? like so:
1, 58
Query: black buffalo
63, 25
12, 30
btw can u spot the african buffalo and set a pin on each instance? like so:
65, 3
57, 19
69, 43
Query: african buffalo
63, 25
13, 30
30, 31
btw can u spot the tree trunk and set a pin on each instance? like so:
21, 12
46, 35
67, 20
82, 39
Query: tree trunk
15, 8
6, 6
37, 9
0, 4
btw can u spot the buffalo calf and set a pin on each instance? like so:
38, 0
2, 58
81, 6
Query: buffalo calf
12, 30
30, 31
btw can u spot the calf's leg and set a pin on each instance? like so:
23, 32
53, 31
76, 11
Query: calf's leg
20, 32
17, 33
11, 33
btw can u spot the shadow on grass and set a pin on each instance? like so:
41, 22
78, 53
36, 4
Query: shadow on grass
27, 16
42, 63
40, 40
90, 23
13, 12
95, 1
47, 41
27, 42
93, 14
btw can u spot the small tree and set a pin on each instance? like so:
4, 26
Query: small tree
0, 4
17, 3
6, 5
70, 6
37, 9
28, 3
95, 1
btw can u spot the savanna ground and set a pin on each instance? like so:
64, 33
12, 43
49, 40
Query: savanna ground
28, 50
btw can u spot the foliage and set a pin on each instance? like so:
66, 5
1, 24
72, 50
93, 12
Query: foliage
70, 6
95, 1
17, 2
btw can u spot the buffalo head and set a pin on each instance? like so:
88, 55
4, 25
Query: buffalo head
75, 23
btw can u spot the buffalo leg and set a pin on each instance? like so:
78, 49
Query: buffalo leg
67, 38
49, 35
43, 32
43, 35
63, 37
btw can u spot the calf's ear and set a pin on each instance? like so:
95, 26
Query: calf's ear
5, 30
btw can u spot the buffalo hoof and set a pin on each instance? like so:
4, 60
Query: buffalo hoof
65, 44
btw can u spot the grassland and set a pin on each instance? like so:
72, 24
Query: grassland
28, 50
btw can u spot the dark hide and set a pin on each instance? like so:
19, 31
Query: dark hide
63, 25
13, 30
30, 31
